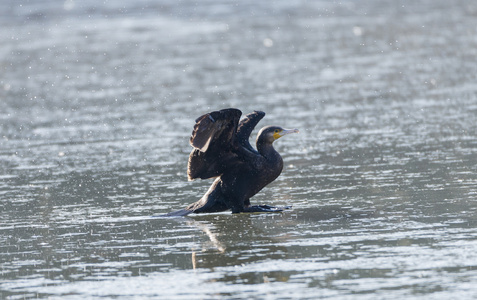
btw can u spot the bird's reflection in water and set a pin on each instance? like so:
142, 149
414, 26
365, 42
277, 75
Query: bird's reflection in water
233, 240
255, 245
207, 229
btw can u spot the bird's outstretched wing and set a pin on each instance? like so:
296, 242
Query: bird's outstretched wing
214, 141
245, 128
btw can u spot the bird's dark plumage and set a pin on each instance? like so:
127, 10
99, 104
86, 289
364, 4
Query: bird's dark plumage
222, 151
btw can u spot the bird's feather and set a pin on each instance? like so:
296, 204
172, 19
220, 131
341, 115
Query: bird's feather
214, 141
245, 128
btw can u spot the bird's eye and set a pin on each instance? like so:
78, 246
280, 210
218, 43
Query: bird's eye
276, 130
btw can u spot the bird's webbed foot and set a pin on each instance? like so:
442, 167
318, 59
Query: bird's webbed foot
264, 208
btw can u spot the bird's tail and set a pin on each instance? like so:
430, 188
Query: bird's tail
178, 213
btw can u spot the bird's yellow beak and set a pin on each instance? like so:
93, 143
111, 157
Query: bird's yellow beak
279, 134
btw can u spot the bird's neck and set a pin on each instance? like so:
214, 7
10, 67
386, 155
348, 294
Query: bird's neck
267, 150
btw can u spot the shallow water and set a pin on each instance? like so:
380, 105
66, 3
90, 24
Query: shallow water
97, 101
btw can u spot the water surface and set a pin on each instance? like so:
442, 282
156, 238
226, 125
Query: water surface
97, 101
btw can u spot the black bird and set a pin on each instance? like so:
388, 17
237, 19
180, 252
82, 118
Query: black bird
222, 150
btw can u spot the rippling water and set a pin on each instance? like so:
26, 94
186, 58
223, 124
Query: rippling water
97, 101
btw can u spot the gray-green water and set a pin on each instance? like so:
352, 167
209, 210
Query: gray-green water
97, 101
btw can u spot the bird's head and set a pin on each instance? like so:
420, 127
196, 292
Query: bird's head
273, 133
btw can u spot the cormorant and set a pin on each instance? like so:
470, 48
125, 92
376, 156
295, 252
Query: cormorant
222, 151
